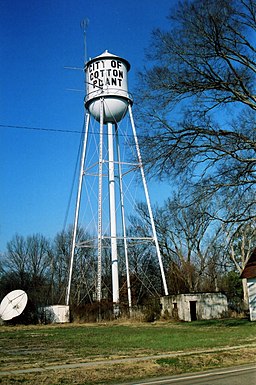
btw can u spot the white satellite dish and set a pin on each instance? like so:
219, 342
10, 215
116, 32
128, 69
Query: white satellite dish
13, 304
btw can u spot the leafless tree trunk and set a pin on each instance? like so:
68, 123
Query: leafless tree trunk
241, 243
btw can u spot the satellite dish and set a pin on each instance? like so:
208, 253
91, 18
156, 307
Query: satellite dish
13, 304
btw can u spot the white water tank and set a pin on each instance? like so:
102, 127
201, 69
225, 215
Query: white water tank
106, 79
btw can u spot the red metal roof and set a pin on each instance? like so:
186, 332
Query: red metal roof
250, 268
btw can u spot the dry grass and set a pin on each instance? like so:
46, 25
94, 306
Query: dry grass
33, 347
118, 373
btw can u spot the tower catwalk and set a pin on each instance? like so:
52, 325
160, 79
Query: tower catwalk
108, 102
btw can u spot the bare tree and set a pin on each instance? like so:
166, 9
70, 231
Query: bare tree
83, 272
189, 240
144, 268
38, 256
27, 268
60, 264
198, 96
16, 258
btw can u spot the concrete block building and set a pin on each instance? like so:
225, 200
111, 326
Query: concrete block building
192, 307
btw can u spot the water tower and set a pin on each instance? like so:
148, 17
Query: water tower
108, 102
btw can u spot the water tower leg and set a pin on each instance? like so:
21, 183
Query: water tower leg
148, 201
78, 199
120, 176
100, 207
112, 207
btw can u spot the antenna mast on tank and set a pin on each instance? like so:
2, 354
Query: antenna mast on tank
84, 25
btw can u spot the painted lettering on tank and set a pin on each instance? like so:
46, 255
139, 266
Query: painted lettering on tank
105, 73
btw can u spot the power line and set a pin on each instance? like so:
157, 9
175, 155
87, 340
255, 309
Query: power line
41, 129
65, 131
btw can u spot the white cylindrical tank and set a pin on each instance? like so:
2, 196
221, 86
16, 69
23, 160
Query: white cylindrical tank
106, 77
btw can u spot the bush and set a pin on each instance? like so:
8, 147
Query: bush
152, 310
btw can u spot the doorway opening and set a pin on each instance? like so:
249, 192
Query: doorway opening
193, 316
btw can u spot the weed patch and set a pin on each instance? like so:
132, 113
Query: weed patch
168, 361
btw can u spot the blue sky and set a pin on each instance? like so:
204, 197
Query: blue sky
38, 39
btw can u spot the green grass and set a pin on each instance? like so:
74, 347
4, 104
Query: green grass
101, 339
33, 346
70, 343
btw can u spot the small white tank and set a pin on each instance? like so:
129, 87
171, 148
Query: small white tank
106, 77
